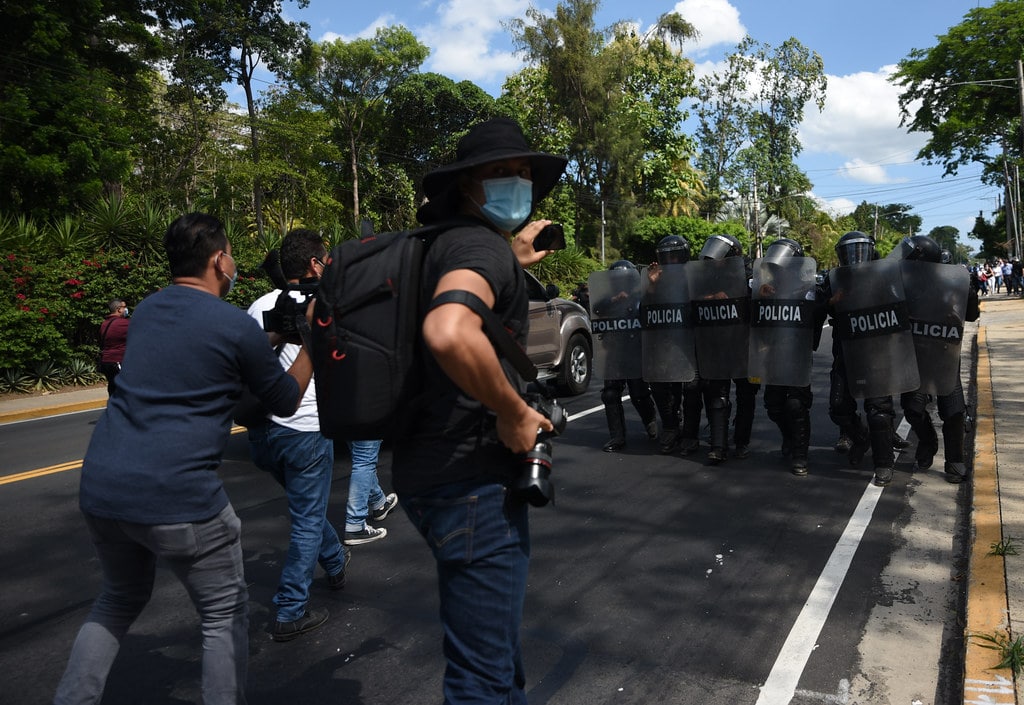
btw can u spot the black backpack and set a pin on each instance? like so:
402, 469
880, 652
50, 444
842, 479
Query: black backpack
366, 333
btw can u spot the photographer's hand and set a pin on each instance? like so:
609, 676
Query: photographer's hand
518, 431
522, 244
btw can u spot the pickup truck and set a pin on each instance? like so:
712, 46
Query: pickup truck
559, 342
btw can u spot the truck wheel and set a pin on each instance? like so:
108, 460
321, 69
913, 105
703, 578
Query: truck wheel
577, 367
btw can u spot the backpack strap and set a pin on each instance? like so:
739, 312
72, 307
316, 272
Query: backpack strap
501, 339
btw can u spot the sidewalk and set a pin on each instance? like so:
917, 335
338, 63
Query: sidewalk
995, 592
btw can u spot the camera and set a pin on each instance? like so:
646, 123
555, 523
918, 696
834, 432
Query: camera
288, 310
552, 237
534, 482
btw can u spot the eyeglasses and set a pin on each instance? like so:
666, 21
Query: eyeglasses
320, 262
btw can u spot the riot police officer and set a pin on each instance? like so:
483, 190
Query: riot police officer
722, 290
615, 317
789, 404
952, 406
678, 402
853, 248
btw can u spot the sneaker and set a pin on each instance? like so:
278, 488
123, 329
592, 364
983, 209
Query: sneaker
390, 502
310, 620
799, 467
883, 476
337, 581
716, 456
368, 534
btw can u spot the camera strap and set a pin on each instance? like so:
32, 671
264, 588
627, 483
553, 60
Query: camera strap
500, 337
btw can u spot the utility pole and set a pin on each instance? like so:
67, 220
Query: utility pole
757, 221
603, 263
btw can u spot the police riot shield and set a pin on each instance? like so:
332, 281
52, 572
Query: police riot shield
666, 330
782, 321
936, 303
720, 302
873, 327
615, 323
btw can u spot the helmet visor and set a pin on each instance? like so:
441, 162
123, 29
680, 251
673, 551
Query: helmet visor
717, 247
855, 252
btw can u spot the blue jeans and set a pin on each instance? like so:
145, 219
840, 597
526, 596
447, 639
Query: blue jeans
481, 543
207, 558
302, 462
364, 490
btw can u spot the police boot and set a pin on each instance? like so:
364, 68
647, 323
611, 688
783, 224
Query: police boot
800, 439
927, 444
690, 430
649, 415
859, 441
616, 417
719, 420
953, 443
882, 453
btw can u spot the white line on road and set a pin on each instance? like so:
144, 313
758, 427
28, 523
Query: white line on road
781, 685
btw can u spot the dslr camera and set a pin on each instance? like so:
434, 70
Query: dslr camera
534, 482
284, 319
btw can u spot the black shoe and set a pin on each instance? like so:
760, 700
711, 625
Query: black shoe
613, 445
337, 581
390, 502
669, 441
310, 620
652, 430
925, 453
883, 476
857, 450
843, 444
689, 446
899, 442
741, 452
716, 456
799, 467
955, 472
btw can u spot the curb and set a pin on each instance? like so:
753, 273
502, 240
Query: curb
987, 606
50, 410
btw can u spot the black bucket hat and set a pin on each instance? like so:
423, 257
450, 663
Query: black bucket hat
491, 141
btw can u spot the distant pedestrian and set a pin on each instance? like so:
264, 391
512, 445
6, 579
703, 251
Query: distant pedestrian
113, 339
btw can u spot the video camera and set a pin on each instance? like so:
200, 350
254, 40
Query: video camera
284, 318
534, 483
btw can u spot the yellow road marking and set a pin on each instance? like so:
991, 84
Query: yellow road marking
63, 467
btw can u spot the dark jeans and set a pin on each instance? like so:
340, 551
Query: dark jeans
481, 543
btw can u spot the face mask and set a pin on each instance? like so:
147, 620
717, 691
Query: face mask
507, 201
125, 313
232, 279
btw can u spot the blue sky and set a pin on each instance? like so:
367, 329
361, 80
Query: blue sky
853, 151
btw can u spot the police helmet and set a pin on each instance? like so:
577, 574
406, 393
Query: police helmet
921, 248
946, 257
782, 249
673, 249
720, 247
855, 247
622, 264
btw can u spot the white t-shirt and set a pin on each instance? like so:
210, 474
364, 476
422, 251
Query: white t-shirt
305, 418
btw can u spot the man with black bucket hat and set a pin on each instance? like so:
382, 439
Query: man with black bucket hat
455, 468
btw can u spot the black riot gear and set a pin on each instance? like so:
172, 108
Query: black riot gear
720, 247
673, 249
781, 249
920, 248
946, 257
855, 247
622, 264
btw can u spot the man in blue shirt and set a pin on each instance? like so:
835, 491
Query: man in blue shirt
149, 486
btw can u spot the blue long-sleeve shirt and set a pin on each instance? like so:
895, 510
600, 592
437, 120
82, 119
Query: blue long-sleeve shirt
154, 455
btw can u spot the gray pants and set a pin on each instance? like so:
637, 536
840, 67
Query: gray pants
207, 558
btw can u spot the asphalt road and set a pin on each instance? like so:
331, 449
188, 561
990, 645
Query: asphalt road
654, 579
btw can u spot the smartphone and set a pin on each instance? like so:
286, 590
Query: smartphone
552, 237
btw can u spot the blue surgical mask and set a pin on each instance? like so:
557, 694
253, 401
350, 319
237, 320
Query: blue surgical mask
507, 201
233, 278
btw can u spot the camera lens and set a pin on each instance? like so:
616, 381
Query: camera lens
534, 484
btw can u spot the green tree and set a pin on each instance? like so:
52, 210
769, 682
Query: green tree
227, 41
617, 95
73, 98
350, 82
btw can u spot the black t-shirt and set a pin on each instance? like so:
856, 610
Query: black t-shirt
452, 436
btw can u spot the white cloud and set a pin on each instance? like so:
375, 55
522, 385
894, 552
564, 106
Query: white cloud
861, 121
717, 21
366, 33
461, 40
